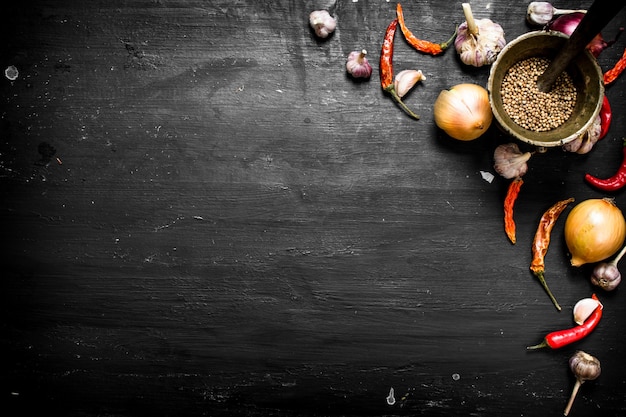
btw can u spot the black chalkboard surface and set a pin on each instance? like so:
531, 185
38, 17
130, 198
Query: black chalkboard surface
203, 214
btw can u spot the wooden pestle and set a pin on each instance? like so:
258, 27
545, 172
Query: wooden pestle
597, 17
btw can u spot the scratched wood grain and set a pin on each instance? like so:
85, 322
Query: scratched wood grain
229, 225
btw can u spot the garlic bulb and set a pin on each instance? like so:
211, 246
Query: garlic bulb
540, 13
606, 275
357, 64
509, 161
585, 142
585, 367
478, 41
463, 111
322, 22
405, 80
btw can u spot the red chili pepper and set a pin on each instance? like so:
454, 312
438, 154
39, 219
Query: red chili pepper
420, 44
565, 337
613, 183
509, 202
612, 74
386, 68
605, 117
542, 241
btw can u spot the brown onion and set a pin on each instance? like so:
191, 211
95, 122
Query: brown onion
463, 111
594, 230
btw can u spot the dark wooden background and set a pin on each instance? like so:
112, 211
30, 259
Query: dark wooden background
202, 214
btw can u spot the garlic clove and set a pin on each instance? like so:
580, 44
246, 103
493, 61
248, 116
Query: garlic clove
405, 80
584, 308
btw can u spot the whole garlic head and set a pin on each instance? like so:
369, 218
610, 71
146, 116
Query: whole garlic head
539, 13
585, 141
606, 275
478, 42
322, 22
357, 64
586, 367
509, 161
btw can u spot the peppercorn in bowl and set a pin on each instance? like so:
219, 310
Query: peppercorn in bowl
544, 119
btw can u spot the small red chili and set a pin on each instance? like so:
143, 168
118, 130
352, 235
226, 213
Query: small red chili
612, 74
509, 202
613, 183
421, 45
386, 68
605, 117
565, 337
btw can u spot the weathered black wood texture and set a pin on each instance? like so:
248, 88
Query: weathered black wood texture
229, 225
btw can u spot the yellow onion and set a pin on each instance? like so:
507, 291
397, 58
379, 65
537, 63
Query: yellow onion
463, 111
594, 230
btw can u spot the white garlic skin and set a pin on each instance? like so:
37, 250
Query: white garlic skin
322, 22
482, 49
405, 80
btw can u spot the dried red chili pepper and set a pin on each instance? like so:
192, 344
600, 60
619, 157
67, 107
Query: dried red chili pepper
542, 241
561, 338
613, 183
421, 45
509, 202
612, 74
386, 68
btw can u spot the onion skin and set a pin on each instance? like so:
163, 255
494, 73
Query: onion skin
594, 230
463, 111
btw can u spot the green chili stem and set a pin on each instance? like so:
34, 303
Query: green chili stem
542, 280
447, 43
541, 345
392, 90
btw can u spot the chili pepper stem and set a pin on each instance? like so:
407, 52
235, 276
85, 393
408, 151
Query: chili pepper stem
394, 94
541, 345
543, 282
447, 43
573, 396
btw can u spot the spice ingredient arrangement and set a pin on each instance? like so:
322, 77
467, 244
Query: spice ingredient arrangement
595, 229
